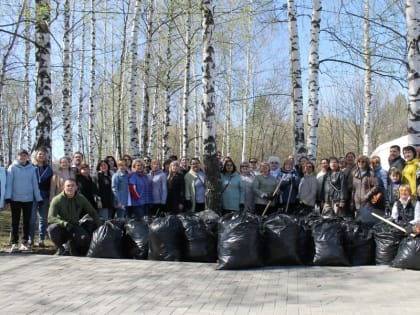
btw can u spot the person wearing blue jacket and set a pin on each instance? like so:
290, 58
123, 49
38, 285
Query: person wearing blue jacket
232, 188
44, 174
119, 188
21, 191
140, 187
159, 187
2, 187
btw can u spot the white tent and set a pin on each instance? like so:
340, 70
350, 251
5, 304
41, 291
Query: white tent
383, 150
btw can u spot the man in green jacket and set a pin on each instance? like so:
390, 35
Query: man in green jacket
63, 217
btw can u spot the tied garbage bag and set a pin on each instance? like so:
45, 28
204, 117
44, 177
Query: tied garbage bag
166, 238
281, 241
239, 241
387, 240
328, 237
138, 232
408, 255
210, 219
359, 243
87, 223
200, 241
106, 242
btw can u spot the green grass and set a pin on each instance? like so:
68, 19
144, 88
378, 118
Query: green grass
5, 229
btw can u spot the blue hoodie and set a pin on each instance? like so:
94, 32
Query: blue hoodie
2, 186
22, 183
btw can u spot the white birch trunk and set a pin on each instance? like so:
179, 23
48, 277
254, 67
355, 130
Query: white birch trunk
245, 104
413, 35
146, 79
229, 87
296, 78
133, 83
197, 120
67, 115
368, 85
43, 78
154, 121
92, 86
105, 112
211, 164
81, 83
186, 92
167, 111
313, 102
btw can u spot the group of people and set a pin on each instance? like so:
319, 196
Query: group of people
134, 188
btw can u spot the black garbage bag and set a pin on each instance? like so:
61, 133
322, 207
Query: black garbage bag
210, 219
408, 255
281, 241
365, 217
201, 243
119, 222
306, 247
166, 239
136, 239
387, 240
106, 242
239, 241
359, 244
328, 238
87, 223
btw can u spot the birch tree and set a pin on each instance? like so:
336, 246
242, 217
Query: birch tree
92, 85
211, 165
67, 116
245, 104
43, 76
81, 81
368, 85
186, 92
413, 54
313, 120
168, 84
133, 83
146, 78
296, 78
26, 131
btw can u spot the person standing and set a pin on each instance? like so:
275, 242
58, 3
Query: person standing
44, 174
176, 189
159, 187
22, 190
395, 159
263, 188
2, 187
87, 186
78, 159
103, 181
140, 188
247, 178
308, 188
232, 189
254, 170
120, 188
59, 177
332, 190
409, 172
195, 189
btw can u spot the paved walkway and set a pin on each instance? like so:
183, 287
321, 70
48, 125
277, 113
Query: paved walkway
35, 284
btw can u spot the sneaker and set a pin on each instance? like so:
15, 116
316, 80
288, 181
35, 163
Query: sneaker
14, 248
41, 244
25, 246
61, 251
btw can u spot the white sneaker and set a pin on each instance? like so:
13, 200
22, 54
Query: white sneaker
25, 246
14, 248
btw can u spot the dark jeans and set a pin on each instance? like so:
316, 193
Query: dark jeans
26, 208
79, 237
